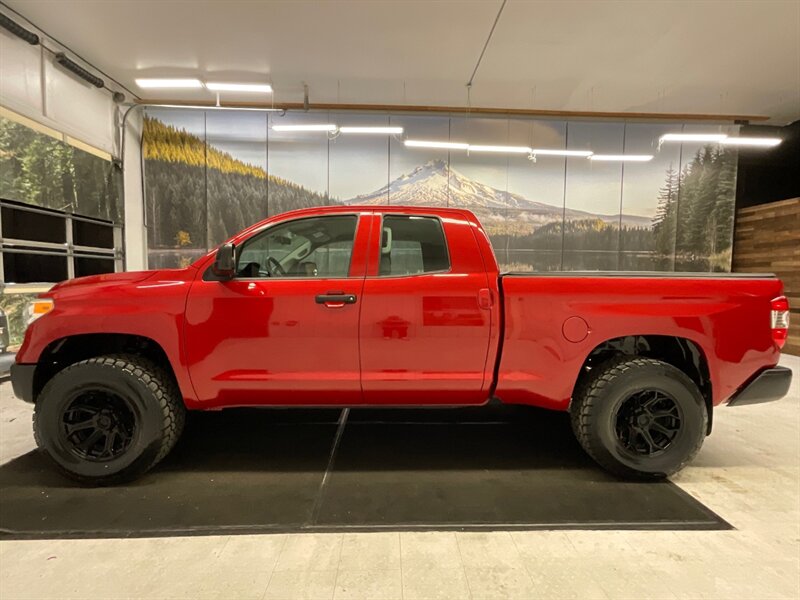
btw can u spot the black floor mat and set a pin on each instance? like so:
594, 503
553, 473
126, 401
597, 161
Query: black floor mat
246, 471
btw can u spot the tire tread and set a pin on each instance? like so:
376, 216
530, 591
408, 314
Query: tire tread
588, 397
164, 390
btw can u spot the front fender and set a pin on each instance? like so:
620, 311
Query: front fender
152, 308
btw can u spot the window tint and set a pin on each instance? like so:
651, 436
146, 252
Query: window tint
412, 245
316, 247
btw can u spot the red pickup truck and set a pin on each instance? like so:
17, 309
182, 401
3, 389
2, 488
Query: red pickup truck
392, 306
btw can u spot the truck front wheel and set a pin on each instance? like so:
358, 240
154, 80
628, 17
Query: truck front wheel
639, 417
108, 419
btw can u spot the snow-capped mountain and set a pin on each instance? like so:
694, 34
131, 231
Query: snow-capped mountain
427, 185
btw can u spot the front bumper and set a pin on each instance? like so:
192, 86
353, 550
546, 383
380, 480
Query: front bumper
770, 384
22, 381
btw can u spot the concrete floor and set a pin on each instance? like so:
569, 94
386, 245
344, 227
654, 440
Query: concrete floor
748, 472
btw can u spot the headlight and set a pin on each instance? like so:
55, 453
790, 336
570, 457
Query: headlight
37, 308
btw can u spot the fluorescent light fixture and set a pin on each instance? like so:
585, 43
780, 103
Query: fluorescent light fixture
371, 129
310, 127
512, 149
622, 157
434, 144
692, 137
168, 83
752, 141
555, 152
264, 88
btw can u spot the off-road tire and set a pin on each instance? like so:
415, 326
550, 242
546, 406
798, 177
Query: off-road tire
599, 397
155, 399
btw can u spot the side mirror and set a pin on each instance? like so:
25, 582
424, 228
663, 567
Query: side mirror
225, 262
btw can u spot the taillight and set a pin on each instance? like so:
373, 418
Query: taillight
780, 320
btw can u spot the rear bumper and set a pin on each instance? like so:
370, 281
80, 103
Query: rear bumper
770, 384
22, 381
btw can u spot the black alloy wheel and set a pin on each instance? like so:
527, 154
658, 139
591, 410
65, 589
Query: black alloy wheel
638, 417
648, 422
98, 425
108, 419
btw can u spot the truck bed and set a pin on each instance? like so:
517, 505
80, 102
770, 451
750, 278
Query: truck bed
553, 321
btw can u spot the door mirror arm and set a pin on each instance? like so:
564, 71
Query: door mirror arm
224, 267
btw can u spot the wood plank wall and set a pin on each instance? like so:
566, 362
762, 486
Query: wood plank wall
767, 239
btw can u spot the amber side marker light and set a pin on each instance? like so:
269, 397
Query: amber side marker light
38, 308
780, 320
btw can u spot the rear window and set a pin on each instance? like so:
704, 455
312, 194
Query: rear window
412, 245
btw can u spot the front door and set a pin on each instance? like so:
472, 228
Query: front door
284, 331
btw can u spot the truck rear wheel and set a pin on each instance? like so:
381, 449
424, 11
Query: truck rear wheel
108, 419
639, 417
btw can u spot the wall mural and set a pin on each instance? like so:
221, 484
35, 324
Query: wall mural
209, 174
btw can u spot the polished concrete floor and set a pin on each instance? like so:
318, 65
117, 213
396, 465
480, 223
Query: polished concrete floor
748, 472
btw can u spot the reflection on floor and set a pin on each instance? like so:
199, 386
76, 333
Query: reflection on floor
747, 472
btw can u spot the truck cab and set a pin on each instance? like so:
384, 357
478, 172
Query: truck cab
352, 308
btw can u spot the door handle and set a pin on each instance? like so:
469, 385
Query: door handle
335, 299
485, 300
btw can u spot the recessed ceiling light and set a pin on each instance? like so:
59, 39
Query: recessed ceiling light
310, 127
752, 141
512, 149
168, 83
370, 129
555, 152
692, 137
264, 88
434, 144
622, 157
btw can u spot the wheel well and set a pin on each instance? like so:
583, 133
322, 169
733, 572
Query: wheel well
680, 352
67, 351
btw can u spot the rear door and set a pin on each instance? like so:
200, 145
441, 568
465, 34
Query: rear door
284, 331
424, 334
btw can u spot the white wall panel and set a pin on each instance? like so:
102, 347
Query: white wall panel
20, 75
68, 105
80, 109
135, 231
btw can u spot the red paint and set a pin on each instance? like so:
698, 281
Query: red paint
728, 319
575, 329
429, 339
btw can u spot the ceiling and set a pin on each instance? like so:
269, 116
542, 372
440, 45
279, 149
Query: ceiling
640, 56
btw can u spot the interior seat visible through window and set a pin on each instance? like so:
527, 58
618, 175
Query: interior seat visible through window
411, 245
317, 247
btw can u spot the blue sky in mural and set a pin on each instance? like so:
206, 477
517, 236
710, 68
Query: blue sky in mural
241, 135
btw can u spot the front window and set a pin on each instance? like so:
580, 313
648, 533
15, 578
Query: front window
316, 247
